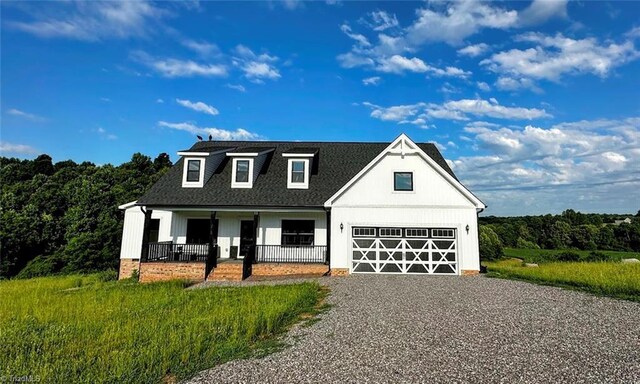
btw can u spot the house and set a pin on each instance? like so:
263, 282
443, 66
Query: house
230, 210
627, 220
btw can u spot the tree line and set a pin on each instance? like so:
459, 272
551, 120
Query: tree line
64, 217
569, 230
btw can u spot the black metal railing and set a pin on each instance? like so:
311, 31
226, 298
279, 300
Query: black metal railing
168, 252
291, 254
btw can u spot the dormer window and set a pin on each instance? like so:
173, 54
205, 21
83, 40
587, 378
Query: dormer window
193, 174
193, 171
242, 173
298, 174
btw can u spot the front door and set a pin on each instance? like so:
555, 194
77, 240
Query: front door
247, 237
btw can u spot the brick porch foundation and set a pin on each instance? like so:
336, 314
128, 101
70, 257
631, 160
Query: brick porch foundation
470, 272
168, 271
284, 269
339, 271
127, 266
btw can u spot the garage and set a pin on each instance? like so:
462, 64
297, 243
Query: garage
404, 250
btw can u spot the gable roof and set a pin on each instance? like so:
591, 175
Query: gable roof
334, 165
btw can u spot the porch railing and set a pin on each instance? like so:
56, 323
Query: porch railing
170, 252
291, 254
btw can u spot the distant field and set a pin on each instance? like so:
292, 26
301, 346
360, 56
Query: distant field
78, 329
613, 279
546, 255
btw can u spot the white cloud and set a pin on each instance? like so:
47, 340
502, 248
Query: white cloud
171, 67
588, 165
556, 56
202, 48
515, 84
381, 20
483, 86
256, 68
542, 10
198, 106
375, 80
92, 21
24, 115
159, 101
237, 87
103, 133
473, 50
16, 149
400, 64
216, 133
360, 39
457, 110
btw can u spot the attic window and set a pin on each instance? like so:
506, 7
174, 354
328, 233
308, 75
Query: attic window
403, 181
298, 174
193, 171
242, 173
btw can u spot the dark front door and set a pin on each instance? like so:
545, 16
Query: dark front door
247, 237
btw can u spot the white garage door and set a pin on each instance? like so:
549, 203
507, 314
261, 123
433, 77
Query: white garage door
403, 250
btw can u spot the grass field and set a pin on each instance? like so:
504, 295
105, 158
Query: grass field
613, 279
80, 329
547, 255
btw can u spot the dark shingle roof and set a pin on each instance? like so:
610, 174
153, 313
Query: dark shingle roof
335, 164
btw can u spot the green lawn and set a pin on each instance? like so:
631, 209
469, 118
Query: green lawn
79, 329
613, 279
547, 255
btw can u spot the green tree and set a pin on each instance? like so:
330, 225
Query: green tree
490, 245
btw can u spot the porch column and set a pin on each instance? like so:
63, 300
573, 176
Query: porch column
213, 235
328, 256
144, 252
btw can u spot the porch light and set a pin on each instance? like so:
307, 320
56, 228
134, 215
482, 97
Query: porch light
467, 228
341, 227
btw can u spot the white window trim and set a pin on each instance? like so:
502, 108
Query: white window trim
305, 183
193, 184
413, 182
234, 183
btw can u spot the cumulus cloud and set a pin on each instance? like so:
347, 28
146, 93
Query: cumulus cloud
216, 133
375, 80
24, 115
92, 21
457, 110
553, 57
256, 68
202, 48
237, 87
473, 50
535, 169
358, 38
381, 20
7, 149
542, 10
170, 67
483, 86
198, 106
400, 64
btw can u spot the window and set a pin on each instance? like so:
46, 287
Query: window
443, 233
364, 232
193, 171
154, 230
297, 171
242, 171
417, 232
297, 232
390, 232
198, 231
403, 181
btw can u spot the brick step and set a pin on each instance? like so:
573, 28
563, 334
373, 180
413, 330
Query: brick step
226, 272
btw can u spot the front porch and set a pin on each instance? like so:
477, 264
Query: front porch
197, 245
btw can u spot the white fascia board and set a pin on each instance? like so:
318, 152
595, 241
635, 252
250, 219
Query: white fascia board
191, 154
249, 154
298, 154
416, 149
128, 205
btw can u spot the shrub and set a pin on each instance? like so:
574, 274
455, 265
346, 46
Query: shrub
595, 256
108, 275
526, 244
490, 245
567, 256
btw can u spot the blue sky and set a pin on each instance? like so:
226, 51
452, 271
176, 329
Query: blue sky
536, 105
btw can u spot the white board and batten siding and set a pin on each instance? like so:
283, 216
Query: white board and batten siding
435, 202
131, 245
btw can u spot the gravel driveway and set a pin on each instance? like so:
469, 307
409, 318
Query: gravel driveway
452, 329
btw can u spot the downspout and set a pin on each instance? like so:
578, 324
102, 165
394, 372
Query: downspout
328, 255
478, 236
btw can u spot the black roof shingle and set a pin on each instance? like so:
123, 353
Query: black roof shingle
337, 163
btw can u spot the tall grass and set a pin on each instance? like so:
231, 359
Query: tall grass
547, 255
603, 278
80, 329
